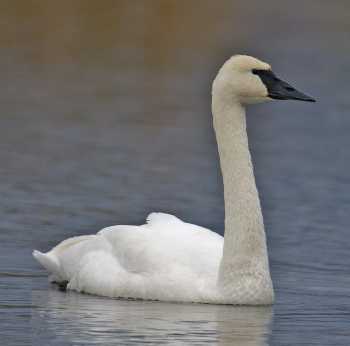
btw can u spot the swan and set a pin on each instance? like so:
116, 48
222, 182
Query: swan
168, 259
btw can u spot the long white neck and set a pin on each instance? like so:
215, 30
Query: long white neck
244, 252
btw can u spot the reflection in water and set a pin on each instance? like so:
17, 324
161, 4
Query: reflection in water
84, 319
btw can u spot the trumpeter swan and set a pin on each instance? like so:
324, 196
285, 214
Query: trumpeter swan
171, 260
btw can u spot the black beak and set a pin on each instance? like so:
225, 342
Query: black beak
280, 90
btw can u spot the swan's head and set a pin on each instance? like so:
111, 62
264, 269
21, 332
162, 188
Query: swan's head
249, 80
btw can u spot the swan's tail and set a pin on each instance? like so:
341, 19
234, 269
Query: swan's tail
48, 261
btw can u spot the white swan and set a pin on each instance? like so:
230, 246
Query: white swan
171, 260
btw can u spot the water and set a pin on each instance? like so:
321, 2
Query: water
105, 116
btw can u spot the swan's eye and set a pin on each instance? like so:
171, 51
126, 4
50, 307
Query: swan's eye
263, 73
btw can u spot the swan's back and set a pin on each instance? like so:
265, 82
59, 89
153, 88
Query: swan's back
165, 259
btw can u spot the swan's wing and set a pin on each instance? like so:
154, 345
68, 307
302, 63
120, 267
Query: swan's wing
163, 243
137, 261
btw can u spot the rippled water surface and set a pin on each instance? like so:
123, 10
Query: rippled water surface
105, 116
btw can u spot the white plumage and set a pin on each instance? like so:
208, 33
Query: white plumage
153, 261
171, 260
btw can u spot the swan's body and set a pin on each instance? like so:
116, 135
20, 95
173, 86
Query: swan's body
168, 259
136, 261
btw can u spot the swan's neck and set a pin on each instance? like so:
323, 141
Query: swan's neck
245, 252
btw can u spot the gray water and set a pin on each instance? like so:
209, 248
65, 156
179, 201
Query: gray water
105, 116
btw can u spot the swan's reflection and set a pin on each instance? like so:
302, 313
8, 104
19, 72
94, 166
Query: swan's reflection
82, 319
